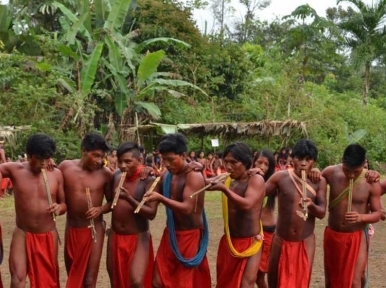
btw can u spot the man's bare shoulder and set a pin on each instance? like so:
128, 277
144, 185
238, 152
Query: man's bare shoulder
256, 179
67, 164
194, 176
14, 165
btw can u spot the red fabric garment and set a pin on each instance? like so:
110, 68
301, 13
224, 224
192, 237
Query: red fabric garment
124, 247
230, 269
135, 175
294, 269
78, 248
172, 272
268, 236
340, 256
43, 267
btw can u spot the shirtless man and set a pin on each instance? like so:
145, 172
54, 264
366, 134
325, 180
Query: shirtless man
130, 256
345, 243
239, 250
83, 249
112, 160
34, 246
293, 245
181, 258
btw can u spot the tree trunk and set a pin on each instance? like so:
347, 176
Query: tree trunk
366, 86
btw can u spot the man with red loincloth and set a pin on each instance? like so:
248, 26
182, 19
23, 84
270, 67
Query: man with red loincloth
34, 245
293, 245
181, 257
239, 250
86, 184
130, 255
351, 196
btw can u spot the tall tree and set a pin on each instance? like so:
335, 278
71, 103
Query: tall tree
365, 36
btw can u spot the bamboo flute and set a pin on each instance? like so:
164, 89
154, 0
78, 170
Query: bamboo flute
304, 194
48, 191
89, 204
149, 191
221, 177
118, 190
350, 190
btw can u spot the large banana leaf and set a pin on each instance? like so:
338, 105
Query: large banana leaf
162, 39
117, 14
73, 18
120, 101
101, 11
75, 28
149, 64
150, 108
126, 48
85, 9
4, 19
160, 84
356, 136
89, 69
114, 53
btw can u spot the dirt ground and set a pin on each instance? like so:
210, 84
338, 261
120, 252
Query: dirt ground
377, 257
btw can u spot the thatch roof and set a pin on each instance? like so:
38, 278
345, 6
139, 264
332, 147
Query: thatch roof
225, 129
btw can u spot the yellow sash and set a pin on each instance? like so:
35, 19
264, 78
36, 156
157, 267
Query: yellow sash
251, 250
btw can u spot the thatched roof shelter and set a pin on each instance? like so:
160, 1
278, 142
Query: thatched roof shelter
230, 130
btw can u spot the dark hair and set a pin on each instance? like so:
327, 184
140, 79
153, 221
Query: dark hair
141, 148
271, 162
94, 141
41, 145
305, 148
354, 155
241, 152
175, 143
129, 147
271, 169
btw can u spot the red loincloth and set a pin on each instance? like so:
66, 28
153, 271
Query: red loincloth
230, 269
268, 236
294, 269
5, 183
340, 257
124, 247
43, 267
172, 272
78, 249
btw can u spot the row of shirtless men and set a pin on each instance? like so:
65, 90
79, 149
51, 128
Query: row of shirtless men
254, 243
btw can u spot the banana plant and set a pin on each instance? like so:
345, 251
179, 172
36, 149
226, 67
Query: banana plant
113, 61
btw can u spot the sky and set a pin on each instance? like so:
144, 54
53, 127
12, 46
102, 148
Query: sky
277, 8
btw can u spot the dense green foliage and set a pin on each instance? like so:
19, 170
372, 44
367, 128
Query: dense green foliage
69, 67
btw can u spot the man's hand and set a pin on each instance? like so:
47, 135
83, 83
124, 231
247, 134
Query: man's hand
372, 176
146, 172
307, 201
55, 208
93, 212
194, 166
314, 175
353, 217
153, 196
51, 165
124, 194
254, 171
